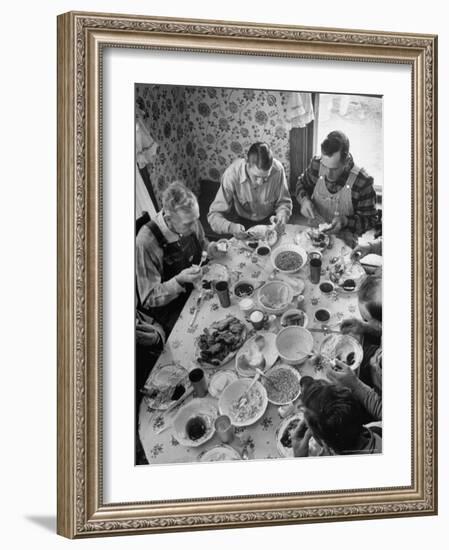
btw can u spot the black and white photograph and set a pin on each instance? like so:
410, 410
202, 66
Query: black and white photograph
258, 274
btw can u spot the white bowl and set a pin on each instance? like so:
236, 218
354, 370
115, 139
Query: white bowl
257, 401
275, 297
294, 344
204, 407
272, 392
289, 248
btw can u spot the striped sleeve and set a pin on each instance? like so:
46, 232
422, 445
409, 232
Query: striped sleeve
364, 204
307, 180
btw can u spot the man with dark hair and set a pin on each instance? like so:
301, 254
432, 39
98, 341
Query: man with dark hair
337, 191
252, 190
333, 416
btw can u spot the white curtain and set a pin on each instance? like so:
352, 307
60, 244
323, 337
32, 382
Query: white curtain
143, 199
146, 146
299, 109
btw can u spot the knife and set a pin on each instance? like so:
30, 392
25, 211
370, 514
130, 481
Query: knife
197, 307
324, 330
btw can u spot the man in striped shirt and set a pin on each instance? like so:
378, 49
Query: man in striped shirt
334, 190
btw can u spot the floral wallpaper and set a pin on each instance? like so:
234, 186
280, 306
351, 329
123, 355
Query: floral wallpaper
200, 131
163, 111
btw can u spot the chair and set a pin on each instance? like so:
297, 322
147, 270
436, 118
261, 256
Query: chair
140, 222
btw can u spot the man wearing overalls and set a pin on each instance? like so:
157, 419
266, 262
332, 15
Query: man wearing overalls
336, 191
168, 251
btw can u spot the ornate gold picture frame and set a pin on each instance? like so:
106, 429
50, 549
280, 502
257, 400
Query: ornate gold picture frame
82, 38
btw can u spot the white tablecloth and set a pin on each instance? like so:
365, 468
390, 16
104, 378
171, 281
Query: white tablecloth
180, 347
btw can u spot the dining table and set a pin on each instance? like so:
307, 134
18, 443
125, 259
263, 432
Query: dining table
257, 441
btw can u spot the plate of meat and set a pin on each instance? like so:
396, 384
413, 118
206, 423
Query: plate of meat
219, 343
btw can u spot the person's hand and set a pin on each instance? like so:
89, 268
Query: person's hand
239, 231
280, 221
360, 251
307, 209
189, 275
338, 223
342, 374
352, 326
300, 439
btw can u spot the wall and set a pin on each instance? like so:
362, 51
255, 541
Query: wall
28, 275
201, 131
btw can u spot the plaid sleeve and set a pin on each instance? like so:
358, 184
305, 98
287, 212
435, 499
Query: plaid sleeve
364, 203
152, 291
307, 180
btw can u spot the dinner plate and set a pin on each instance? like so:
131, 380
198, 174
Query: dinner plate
228, 357
287, 381
220, 381
219, 453
252, 410
269, 352
296, 283
355, 272
161, 384
205, 409
314, 448
334, 345
295, 419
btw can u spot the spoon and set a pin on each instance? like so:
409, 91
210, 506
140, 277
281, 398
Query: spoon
242, 399
203, 258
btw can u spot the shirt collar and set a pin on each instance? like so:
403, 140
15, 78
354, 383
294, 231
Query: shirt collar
244, 177
170, 235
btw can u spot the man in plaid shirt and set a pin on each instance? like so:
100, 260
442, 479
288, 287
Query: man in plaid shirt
334, 190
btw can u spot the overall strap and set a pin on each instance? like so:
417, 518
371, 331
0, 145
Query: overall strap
154, 228
353, 174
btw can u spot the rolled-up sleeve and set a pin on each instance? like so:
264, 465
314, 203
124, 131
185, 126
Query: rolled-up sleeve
222, 204
369, 398
152, 292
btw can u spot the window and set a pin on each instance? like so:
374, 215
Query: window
360, 118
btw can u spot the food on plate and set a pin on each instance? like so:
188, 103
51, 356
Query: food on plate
221, 452
277, 298
243, 410
220, 340
243, 289
220, 381
282, 385
288, 260
342, 347
195, 428
166, 385
289, 430
324, 227
318, 238
346, 274
222, 246
252, 357
296, 318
